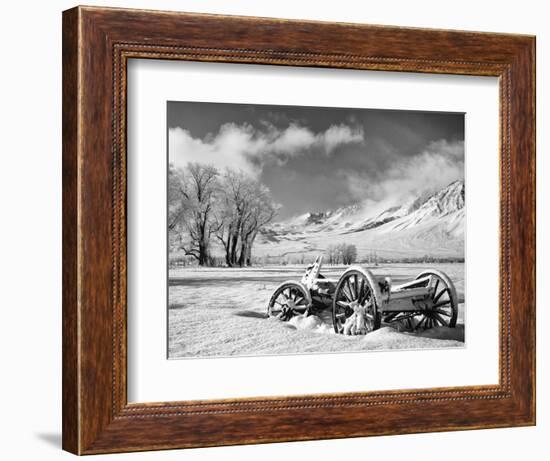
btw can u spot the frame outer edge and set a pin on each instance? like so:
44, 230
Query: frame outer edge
91, 419
522, 191
533, 179
530, 211
70, 211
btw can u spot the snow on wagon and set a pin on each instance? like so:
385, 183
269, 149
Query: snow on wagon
361, 301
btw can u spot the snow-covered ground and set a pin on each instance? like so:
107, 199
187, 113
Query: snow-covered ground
221, 312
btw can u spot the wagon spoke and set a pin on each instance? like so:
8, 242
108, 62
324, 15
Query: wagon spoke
422, 320
436, 285
342, 304
441, 293
344, 293
366, 296
440, 319
348, 285
442, 312
355, 288
361, 290
441, 303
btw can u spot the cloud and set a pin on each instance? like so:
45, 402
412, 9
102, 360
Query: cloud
340, 134
439, 164
245, 148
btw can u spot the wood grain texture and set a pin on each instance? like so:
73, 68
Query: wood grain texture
97, 43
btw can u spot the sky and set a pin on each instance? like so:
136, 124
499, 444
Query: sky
320, 158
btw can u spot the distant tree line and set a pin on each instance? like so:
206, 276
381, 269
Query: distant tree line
207, 206
342, 253
422, 259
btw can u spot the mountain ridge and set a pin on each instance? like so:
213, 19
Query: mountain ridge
431, 223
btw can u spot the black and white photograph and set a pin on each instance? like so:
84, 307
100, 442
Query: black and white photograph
298, 230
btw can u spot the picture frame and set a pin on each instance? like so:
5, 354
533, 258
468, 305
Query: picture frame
97, 44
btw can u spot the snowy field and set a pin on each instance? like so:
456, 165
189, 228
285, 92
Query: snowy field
217, 312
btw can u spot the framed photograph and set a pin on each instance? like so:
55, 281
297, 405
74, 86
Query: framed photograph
284, 230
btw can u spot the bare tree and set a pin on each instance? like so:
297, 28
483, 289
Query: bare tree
332, 254
349, 253
191, 198
245, 207
230, 214
261, 211
343, 253
177, 207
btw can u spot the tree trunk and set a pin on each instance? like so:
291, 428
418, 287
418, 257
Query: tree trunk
249, 249
233, 255
244, 252
203, 254
227, 246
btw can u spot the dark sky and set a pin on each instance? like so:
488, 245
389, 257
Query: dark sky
317, 158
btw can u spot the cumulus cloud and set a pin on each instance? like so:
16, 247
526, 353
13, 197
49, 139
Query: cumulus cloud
441, 163
246, 148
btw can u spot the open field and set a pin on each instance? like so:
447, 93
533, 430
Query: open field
215, 312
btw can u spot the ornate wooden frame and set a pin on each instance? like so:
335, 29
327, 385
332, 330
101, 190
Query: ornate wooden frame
97, 43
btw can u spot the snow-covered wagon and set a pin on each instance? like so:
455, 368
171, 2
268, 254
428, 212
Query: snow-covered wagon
361, 301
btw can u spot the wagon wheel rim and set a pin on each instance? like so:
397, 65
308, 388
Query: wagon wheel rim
286, 298
353, 290
442, 308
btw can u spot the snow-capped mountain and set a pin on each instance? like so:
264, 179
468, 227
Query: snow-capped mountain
430, 224
422, 209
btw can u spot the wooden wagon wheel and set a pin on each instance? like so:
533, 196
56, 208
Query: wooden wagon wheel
288, 299
442, 310
355, 288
